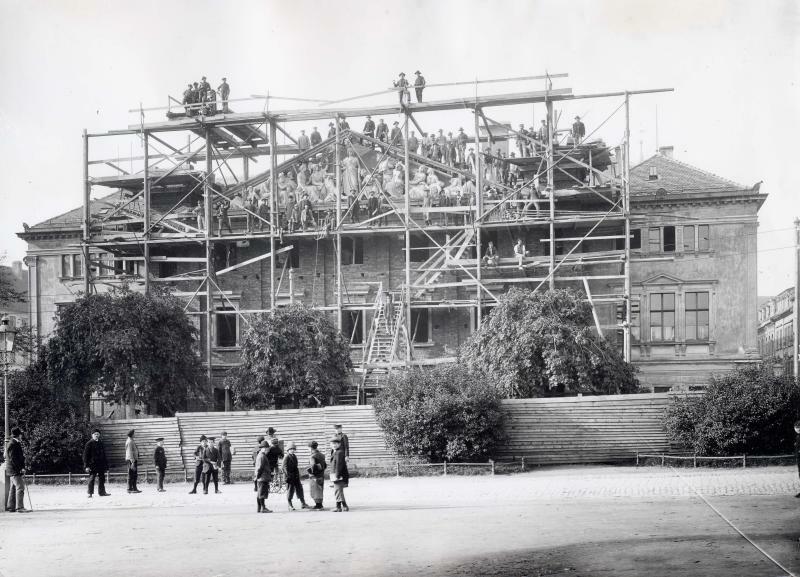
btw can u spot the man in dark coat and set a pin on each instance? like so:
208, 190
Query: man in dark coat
369, 127
226, 456
419, 85
339, 474
291, 473
382, 131
199, 460
211, 458
316, 475
373, 206
316, 137
262, 477
578, 130
96, 464
331, 130
274, 454
343, 440
160, 462
15, 469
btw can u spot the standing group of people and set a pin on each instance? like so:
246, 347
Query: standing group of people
402, 86
201, 98
211, 456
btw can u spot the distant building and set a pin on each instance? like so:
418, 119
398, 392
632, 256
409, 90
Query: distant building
776, 331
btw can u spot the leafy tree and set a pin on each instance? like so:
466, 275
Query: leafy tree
539, 344
291, 356
54, 430
747, 411
8, 293
443, 413
128, 348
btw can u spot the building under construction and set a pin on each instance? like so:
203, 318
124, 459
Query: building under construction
408, 280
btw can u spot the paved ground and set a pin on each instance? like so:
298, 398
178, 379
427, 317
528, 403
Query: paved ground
561, 521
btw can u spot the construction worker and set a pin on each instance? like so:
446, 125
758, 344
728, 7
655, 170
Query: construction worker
204, 87
224, 92
316, 137
413, 143
521, 140
369, 127
419, 85
222, 217
402, 89
578, 130
520, 253
382, 131
396, 137
461, 146
160, 462
544, 133
331, 130
188, 99
198, 212
303, 142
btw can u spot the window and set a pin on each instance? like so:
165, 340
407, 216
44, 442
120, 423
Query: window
167, 269
131, 267
420, 325
635, 334
227, 327
636, 240
688, 239
697, 316
353, 326
71, 266
703, 237
66, 266
669, 239
654, 241
352, 250
419, 244
662, 317
653, 175
293, 256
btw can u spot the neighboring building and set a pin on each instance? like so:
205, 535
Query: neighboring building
17, 312
776, 331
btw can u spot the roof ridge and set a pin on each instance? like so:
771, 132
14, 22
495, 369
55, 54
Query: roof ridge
706, 172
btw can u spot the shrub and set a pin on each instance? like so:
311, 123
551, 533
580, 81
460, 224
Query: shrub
443, 413
747, 411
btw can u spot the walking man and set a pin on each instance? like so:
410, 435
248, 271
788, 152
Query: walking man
96, 464
15, 469
132, 459
262, 477
419, 85
198, 462
224, 92
291, 473
226, 455
316, 475
339, 474
160, 461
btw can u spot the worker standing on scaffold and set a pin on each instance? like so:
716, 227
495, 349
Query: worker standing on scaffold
402, 89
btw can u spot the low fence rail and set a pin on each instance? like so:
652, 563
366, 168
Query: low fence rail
743, 459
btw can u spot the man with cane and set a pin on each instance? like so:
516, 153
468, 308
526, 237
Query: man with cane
15, 468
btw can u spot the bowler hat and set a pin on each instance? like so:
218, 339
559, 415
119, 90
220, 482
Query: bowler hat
292, 445
95, 430
313, 444
263, 444
337, 426
271, 431
159, 439
203, 438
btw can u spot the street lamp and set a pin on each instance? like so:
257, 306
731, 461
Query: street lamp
7, 336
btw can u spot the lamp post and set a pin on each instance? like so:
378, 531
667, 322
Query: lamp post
7, 336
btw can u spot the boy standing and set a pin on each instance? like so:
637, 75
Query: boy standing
339, 474
160, 461
316, 475
261, 476
226, 456
292, 474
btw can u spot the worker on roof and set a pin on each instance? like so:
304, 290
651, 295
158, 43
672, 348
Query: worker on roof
461, 147
578, 130
204, 86
316, 137
522, 140
224, 92
188, 99
419, 85
303, 142
402, 89
544, 133
211, 102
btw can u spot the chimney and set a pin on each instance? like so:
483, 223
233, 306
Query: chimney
16, 269
666, 151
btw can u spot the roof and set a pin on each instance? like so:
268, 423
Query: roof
74, 218
675, 176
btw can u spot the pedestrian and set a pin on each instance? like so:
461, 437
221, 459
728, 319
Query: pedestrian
303, 142
160, 462
262, 477
211, 466
343, 440
95, 464
339, 474
578, 130
132, 460
402, 89
226, 456
291, 473
274, 454
316, 475
316, 137
419, 85
254, 455
224, 92
797, 449
15, 469
198, 463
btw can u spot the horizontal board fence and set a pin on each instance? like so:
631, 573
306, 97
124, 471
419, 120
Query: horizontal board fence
565, 430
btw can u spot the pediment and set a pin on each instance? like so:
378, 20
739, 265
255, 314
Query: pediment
661, 279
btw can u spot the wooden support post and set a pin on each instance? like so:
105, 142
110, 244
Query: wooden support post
523, 463
626, 208
146, 194
273, 193
594, 310
338, 240
552, 188
209, 199
478, 223
245, 168
492, 463
407, 304
87, 187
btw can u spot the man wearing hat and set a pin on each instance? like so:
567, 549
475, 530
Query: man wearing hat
343, 439
419, 85
291, 473
316, 137
369, 127
381, 131
274, 454
211, 463
226, 456
396, 137
160, 462
316, 474
303, 142
262, 477
224, 91
132, 459
331, 130
461, 146
199, 460
339, 473
96, 464
578, 130
15, 469
472, 161
402, 88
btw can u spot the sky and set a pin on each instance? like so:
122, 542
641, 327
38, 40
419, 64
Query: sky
734, 65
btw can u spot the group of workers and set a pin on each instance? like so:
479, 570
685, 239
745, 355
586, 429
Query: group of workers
201, 98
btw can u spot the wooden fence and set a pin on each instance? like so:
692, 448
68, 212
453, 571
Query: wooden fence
542, 431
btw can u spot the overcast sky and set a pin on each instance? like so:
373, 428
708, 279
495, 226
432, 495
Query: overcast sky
734, 64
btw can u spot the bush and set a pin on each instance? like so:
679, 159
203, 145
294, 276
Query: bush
747, 411
443, 413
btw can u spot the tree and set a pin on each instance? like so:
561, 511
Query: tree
8, 292
747, 411
292, 356
443, 413
539, 344
128, 348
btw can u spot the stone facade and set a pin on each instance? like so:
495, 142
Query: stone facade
776, 331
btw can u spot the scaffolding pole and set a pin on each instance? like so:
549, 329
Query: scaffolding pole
626, 199
552, 192
338, 227
406, 302
87, 187
273, 207
209, 198
478, 221
146, 194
